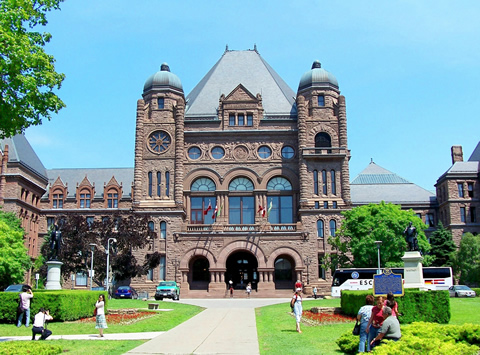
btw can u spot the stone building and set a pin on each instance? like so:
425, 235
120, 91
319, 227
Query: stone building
243, 179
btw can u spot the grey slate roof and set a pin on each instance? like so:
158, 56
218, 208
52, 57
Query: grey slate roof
97, 176
20, 151
376, 184
476, 154
253, 72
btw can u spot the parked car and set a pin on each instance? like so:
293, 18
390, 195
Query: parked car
126, 292
16, 288
461, 291
167, 289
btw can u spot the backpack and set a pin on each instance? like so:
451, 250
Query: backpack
292, 302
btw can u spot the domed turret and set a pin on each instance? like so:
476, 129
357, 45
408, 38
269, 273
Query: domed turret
318, 77
163, 80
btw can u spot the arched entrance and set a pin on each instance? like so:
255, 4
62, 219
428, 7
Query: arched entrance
200, 273
284, 273
242, 269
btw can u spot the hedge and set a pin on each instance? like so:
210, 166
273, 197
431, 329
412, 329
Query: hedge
477, 291
64, 305
33, 347
421, 338
414, 306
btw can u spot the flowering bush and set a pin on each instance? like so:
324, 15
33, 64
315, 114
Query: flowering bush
122, 318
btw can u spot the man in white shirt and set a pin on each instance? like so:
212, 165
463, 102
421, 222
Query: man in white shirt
39, 324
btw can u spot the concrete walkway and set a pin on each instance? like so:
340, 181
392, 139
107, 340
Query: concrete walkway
227, 326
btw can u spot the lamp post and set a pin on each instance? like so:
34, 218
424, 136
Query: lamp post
308, 261
108, 263
92, 245
378, 243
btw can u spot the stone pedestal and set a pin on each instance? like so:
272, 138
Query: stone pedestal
413, 274
53, 275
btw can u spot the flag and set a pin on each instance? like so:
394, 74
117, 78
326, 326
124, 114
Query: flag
214, 214
208, 208
270, 207
262, 210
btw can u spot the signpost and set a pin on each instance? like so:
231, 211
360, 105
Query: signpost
388, 282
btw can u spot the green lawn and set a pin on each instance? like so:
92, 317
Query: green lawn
277, 335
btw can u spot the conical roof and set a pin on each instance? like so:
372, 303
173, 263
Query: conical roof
253, 72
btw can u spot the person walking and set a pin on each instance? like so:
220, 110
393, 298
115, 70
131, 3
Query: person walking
249, 289
315, 292
363, 316
297, 307
101, 322
24, 306
230, 288
39, 326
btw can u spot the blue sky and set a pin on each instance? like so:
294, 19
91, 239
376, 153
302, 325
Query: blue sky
410, 71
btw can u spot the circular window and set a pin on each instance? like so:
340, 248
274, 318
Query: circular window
159, 141
288, 152
194, 153
218, 153
264, 152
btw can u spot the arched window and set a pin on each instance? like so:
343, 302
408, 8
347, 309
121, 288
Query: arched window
323, 140
280, 208
333, 227
57, 199
150, 183
241, 208
320, 229
332, 182
159, 183
324, 182
167, 183
112, 198
85, 198
151, 226
315, 182
163, 230
202, 207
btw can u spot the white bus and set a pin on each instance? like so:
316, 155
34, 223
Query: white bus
435, 278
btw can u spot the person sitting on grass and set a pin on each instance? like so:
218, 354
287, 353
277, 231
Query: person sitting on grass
39, 324
390, 329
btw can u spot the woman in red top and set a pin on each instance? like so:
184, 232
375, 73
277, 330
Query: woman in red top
376, 320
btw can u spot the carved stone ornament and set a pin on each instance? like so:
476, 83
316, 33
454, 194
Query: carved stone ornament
240, 152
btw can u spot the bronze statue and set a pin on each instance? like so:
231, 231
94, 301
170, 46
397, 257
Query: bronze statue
55, 243
411, 237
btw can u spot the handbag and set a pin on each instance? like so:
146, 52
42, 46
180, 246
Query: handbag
356, 329
95, 311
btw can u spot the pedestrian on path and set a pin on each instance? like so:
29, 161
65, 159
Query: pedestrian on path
297, 307
249, 289
101, 322
315, 292
230, 285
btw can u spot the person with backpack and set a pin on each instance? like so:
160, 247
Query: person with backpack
296, 305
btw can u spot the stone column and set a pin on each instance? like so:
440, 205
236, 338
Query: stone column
53, 275
413, 272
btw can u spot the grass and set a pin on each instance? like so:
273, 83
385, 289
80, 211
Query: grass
277, 335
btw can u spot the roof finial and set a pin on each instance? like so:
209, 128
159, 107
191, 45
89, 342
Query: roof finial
316, 64
371, 160
226, 48
164, 67
255, 47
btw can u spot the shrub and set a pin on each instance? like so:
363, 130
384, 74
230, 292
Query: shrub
415, 305
477, 291
63, 304
348, 343
21, 348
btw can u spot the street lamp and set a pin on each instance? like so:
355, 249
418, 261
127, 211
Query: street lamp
92, 245
108, 262
378, 242
308, 261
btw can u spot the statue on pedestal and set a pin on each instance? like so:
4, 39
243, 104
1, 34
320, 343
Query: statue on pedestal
55, 243
411, 237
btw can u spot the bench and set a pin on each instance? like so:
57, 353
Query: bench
153, 306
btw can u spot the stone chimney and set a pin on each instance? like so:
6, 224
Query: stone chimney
457, 153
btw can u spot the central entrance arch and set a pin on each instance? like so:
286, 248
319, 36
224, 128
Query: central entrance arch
242, 269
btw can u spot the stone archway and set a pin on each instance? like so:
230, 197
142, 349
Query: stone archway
199, 275
241, 269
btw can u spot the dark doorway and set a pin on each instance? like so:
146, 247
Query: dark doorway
242, 269
284, 273
200, 273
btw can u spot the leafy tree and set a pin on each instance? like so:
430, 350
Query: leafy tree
353, 245
14, 259
442, 245
466, 261
130, 230
28, 76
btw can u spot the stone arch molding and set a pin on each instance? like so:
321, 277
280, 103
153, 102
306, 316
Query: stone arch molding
285, 251
242, 246
184, 263
323, 128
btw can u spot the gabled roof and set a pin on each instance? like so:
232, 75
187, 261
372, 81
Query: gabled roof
20, 151
253, 72
476, 154
96, 176
376, 184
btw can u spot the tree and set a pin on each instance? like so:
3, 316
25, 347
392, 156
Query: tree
466, 261
442, 245
28, 76
129, 229
353, 245
14, 259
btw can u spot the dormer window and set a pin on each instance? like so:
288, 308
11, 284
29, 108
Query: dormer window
85, 199
240, 120
161, 102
